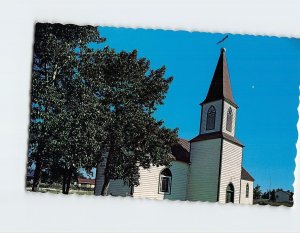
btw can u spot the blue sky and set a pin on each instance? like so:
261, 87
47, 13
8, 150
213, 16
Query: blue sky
265, 78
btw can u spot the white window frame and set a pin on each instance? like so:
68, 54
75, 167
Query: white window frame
160, 188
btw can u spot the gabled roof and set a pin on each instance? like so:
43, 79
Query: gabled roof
220, 88
181, 150
214, 135
86, 181
246, 176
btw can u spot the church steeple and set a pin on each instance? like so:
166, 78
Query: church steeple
219, 108
216, 154
220, 88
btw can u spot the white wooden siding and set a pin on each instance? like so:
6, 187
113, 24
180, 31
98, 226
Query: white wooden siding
230, 170
149, 182
226, 107
218, 106
244, 199
148, 187
204, 170
118, 188
179, 181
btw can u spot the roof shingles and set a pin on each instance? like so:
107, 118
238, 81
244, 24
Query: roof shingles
181, 151
220, 87
214, 135
246, 176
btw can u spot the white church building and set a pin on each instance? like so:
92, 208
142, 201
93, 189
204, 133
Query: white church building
206, 168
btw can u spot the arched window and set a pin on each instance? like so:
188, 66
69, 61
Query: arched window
165, 180
211, 118
229, 120
247, 190
230, 193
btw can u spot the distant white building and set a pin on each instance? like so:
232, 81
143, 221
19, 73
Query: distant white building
206, 168
282, 196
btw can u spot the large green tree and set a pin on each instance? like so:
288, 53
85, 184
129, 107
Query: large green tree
78, 129
131, 92
56, 55
93, 106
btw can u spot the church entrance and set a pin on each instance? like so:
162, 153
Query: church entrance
230, 193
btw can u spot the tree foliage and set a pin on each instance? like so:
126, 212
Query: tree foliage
55, 114
92, 106
131, 92
257, 192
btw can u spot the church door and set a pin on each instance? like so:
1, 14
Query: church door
230, 193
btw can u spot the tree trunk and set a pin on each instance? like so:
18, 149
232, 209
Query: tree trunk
106, 182
105, 186
66, 181
96, 190
37, 176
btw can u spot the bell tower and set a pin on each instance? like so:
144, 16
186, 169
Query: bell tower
219, 108
216, 155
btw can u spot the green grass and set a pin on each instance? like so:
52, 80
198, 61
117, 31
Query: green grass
271, 203
57, 191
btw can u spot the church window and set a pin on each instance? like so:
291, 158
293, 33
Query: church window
230, 193
229, 120
211, 118
165, 180
247, 190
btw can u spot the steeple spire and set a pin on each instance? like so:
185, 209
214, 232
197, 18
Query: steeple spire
220, 88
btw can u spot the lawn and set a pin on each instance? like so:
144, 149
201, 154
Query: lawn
57, 191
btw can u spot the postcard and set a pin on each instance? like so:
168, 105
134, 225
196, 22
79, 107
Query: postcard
163, 114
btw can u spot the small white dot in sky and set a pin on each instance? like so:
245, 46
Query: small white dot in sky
253, 86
